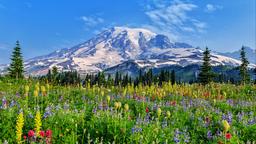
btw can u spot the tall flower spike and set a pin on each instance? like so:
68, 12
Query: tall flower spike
35, 93
38, 123
226, 125
19, 127
43, 90
26, 89
159, 111
108, 99
126, 107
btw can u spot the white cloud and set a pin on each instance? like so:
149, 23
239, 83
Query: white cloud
92, 21
173, 18
211, 8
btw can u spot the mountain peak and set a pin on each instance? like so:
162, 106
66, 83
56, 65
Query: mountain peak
129, 29
118, 45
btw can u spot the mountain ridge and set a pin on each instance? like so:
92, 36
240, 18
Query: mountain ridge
118, 45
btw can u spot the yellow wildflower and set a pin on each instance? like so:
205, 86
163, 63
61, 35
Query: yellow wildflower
38, 123
35, 93
116, 105
47, 87
43, 90
168, 113
26, 89
159, 111
19, 126
108, 98
126, 107
226, 125
119, 104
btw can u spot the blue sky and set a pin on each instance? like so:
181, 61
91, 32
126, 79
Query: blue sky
47, 25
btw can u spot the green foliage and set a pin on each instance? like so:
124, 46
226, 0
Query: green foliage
206, 75
78, 114
16, 68
244, 74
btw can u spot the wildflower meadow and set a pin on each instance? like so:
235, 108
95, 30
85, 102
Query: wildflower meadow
38, 112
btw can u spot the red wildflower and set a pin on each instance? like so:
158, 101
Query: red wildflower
24, 137
48, 133
147, 110
31, 133
228, 136
42, 134
173, 103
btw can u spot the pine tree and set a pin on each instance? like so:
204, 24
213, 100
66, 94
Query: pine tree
173, 77
244, 74
116, 82
54, 71
206, 75
16, 68
255, 76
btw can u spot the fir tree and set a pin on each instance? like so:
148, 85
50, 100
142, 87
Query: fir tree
173, 77
16, 68
54, 71
244, 74
116, 82
255, 76
206, 75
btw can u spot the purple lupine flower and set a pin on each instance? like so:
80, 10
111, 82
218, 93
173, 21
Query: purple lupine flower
229, 117
147, 118
230, 102
155, 106
240, 116
100, 107
136, 130
251, 121
186, 136
48, 112
223, 117
94, 110
209, 134
176, 136
218, 132
13, 103
4, 103
18, 95
176, 140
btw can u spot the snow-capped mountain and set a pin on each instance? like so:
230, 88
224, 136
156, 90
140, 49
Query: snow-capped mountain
121, 44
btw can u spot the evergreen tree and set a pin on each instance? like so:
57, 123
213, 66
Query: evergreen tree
255, 76
54, 71
244, 74
116, 82
206, 75
49, 76
149, 77
173, 77
16, 68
